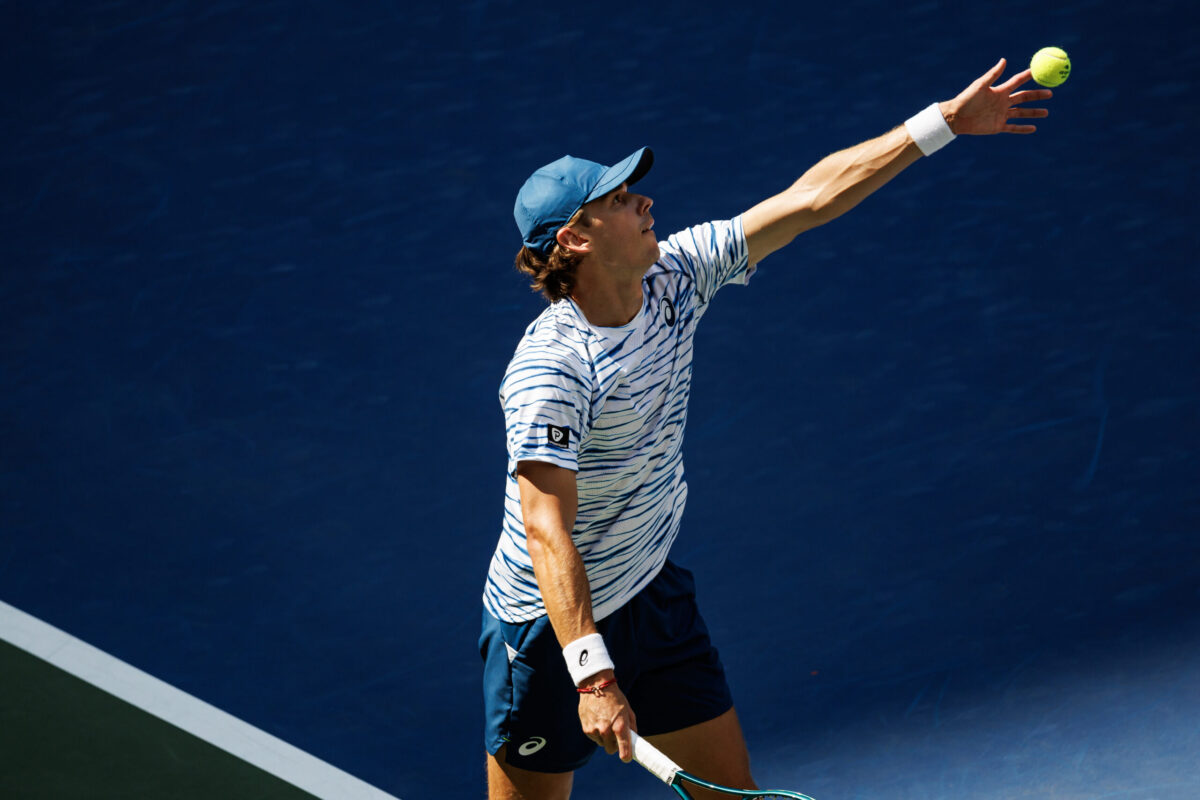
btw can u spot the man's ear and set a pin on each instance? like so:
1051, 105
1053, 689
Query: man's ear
569, 239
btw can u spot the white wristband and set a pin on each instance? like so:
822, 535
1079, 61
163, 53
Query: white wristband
929, 130
586, 656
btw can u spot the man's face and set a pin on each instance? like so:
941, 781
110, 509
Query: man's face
621, 230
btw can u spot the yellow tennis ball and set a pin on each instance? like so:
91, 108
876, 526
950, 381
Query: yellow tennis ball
1051, 66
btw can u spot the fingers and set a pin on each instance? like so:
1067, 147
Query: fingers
995, 72
1016, 80
608, 721
622, 725
608, 741
617, 741
1024, 113
987, 78
624, 741
1030, 96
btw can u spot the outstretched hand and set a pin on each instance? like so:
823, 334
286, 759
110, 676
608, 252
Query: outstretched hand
982, 108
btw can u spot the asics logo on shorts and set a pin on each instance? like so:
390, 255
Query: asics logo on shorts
532, 746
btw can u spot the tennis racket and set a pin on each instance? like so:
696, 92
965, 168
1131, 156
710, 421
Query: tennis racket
669, 773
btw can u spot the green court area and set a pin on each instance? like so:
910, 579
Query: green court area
61, 737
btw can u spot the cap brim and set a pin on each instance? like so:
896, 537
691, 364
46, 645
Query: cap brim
629, 170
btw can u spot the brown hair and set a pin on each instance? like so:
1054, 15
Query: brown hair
553, 275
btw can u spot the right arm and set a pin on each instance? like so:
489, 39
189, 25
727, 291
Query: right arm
549, 501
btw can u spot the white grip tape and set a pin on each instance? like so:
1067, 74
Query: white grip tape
928, 128
653, 759
586, 656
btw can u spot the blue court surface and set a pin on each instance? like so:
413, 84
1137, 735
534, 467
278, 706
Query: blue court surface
257, 297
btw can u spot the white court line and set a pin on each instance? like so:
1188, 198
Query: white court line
181, 709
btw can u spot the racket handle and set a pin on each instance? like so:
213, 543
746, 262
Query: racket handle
653, 759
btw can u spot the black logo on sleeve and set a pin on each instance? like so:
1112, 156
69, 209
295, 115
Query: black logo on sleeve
559, 437
668, 311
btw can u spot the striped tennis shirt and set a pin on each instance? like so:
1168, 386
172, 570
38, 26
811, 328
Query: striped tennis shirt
610, 404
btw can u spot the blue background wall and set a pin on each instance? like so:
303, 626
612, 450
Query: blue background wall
257, 297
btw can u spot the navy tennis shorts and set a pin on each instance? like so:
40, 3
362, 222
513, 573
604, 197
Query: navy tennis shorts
665, 664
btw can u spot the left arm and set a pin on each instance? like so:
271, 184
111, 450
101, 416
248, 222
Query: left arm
839, 182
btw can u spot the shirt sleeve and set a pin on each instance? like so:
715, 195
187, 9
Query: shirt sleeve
712, 255
545, 402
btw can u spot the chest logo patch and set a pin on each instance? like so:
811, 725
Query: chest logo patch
668, 311
559, 437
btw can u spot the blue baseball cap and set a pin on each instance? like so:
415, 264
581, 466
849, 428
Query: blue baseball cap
555, 192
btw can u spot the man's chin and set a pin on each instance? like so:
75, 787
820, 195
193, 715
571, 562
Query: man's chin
657, 255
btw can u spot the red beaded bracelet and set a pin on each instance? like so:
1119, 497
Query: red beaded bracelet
598, 689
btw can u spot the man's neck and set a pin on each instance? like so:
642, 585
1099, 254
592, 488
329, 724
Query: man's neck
607, 303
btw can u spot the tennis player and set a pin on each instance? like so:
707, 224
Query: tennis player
590, 631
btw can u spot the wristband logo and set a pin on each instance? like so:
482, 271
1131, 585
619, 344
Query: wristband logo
583, 658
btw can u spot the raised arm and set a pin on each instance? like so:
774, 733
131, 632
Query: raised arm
549, 502
839, 182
